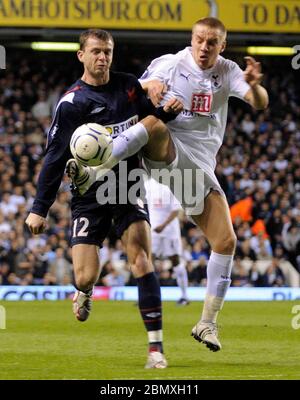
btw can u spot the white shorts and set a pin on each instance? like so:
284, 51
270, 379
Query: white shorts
190, 185
165, 246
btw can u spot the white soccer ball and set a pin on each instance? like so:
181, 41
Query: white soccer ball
91, 144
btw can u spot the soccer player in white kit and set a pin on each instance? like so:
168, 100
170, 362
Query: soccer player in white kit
165, 231
203, 80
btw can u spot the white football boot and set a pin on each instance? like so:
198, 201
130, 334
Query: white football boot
82, 304
207, 333
82, 176
156, 360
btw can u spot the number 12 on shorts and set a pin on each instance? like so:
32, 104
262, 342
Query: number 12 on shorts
82, 224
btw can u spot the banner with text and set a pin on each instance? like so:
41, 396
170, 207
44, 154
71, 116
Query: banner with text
29, 293
237, 15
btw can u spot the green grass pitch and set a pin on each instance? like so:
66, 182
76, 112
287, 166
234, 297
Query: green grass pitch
42, 340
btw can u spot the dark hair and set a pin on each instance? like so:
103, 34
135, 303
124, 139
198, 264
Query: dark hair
97, 33
211, 22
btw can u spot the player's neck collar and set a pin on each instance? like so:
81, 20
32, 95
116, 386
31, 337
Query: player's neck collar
94, 87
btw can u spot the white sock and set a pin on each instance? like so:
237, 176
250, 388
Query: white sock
155, 336
218, 281
129, 142
125, 145
181, 279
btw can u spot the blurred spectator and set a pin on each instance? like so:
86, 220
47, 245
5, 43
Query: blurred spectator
273, 275
244, 251
166, 279
255, 276
4, 273
240, 275
291, 242
118, 252
105, 252
61, 268
114, 277
274, 227
6, 206
261, 246
41, 108
247, 125
199, 249
197, 272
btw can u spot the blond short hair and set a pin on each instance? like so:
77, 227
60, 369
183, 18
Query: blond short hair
211, 22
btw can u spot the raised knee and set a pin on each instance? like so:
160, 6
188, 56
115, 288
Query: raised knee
159, 131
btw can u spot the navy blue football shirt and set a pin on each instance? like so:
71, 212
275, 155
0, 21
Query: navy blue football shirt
117, 105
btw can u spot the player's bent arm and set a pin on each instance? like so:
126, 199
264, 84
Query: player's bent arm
147, 107
153, 83
49, 180
174, 214
257, 97
155, 90
157, 75
166, 113
67, 119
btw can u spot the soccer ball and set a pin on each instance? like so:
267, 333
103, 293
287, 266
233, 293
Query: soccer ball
91, 144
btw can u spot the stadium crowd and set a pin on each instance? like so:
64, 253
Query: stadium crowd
258, 168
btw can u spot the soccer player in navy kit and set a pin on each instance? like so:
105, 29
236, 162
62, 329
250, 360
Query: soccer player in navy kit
117, 101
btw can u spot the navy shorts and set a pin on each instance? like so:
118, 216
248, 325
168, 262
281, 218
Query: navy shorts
91, 222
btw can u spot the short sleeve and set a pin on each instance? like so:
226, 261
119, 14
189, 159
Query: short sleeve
160, 68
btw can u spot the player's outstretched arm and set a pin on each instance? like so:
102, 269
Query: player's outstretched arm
66, 120
257, 96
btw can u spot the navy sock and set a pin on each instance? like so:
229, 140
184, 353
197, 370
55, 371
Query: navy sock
156, 346
150, 305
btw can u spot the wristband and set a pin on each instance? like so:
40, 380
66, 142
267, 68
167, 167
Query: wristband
161, 114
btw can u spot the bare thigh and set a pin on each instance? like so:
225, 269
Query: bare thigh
160, 146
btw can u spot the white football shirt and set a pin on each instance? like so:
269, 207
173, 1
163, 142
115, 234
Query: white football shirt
161, 202
199, 129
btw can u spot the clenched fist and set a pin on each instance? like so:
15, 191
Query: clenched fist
35, 223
